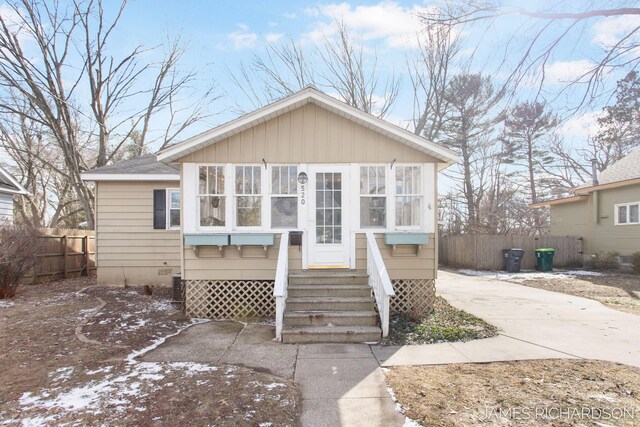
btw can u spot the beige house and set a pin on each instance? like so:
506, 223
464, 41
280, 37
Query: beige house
605, 213
308, 210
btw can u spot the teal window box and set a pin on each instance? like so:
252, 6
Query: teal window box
406, 238
209, 239
253, 239
401, 241
196, 241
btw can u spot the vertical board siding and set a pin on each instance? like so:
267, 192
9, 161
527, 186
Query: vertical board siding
308, 134
484, 252
128, 249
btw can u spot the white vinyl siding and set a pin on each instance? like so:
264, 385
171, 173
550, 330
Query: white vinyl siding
6, 208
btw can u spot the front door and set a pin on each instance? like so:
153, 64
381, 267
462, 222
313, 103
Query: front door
329, 241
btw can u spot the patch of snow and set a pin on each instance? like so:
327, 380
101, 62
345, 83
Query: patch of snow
106, 369
193, 368
267, 386
5, 304
265, 425
408, 422
61, 374
158, 342
528, 274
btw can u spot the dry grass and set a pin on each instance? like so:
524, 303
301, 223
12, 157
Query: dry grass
50, 377
618, 291
519, 393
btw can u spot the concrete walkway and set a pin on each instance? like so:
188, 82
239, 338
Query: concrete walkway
342, 384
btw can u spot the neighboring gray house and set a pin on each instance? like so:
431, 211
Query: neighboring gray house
8, 187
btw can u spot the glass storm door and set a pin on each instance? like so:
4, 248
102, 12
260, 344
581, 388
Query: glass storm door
329, 232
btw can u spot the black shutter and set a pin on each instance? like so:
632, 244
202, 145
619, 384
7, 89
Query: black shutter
159, 209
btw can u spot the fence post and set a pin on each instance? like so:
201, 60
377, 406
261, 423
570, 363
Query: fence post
85, 250
63, 241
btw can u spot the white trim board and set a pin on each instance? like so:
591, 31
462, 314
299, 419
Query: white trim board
298, 99
11, 178
129, 177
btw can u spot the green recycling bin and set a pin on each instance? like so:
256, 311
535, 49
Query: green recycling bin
544, 259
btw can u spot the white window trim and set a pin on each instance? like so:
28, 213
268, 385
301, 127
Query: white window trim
234, 199
168, 208
227, 221
387, 171
269, 194
615, 213
422, 194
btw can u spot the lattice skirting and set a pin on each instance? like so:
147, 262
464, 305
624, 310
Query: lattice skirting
413, 296
217, 299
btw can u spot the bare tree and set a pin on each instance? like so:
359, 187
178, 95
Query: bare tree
547, 30
339, 65
54, 52
430, 70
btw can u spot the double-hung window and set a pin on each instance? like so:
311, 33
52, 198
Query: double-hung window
627, 213
248, 195
173, 208
373, 200
408, 196
211, 196
284, 197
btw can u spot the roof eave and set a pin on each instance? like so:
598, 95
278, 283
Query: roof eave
129, 177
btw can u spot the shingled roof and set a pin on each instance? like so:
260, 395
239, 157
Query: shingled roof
626, 168
145, 165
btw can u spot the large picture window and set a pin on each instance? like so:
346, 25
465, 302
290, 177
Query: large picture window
248, 196
627, 213
373, 200
284, 197
211, 196
408, 196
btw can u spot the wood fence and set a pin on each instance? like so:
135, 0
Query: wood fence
484, 252
63, 254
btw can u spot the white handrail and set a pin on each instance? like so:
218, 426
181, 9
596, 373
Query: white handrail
379, 281
280, 287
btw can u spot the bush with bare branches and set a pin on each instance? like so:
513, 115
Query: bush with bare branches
18, 247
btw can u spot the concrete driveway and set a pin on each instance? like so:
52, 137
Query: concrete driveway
567, 325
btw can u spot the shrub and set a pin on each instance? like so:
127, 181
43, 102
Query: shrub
606, 261
18, 246
635, 261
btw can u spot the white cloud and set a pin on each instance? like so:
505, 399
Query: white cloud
387, 21
567, 71
273, 37
581, 127
290, 15
609, 31
242, 39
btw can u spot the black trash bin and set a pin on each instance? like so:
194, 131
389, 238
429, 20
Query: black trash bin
512, 259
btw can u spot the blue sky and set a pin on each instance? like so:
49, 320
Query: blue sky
223, 33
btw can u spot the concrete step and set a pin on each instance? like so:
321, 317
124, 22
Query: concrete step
326, 318
330, 304
328, 277
329, 291
315, 334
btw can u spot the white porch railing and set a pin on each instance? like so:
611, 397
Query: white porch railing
379, 281
280, 287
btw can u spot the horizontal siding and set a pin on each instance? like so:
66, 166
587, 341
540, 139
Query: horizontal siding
234, 267
606, 236
6, 208
571, 219
308, 134
128, 248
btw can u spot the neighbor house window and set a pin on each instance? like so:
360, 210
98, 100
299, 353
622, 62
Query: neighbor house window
408, 196
284, 197
211, 196
173, 208
373, 201
248, 196
627, 213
